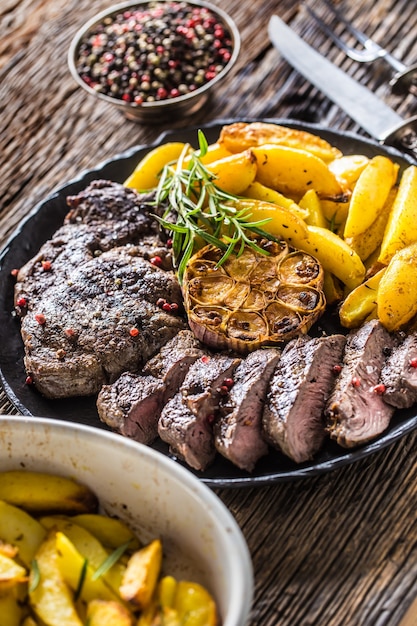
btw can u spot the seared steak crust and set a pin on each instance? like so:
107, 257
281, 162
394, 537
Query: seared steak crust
399, 374
103, 321
356, 411
132, 406
174, 359
293, 414
103, 216
186, 420
238, 432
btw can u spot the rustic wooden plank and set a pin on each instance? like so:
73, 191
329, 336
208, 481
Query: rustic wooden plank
335, 549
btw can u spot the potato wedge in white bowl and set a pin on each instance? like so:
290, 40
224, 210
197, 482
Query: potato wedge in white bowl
143, 490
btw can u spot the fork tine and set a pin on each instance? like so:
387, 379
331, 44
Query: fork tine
329, 31
361, 37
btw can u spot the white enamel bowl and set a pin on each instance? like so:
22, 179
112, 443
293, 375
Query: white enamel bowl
152, 493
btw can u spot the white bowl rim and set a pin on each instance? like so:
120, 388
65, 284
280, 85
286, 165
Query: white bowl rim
241, 602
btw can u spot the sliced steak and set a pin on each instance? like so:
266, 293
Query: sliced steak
238, 430
399, 374
356, 411
132, 406
173, 361
293, 414
201, 389
186, 420
189, 437
101, 322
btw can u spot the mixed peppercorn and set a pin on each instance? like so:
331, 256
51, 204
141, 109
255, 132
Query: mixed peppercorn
157, 51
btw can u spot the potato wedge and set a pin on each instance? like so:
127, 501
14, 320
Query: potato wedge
71, 563
333, 289
348, 168
311, 203
334, 254
51, 599
146, 174
88, 546
401, 229
180, 602
293, 172
361, 302
11, 573
396, 297
39, 493
111, 532
108, 613
241, 136
234, 173
370, 194
257, 191
142, 574
283, 224
21, 530
11, 611
366, 242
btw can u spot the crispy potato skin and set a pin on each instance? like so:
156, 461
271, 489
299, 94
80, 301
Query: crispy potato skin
396, 297
241, 136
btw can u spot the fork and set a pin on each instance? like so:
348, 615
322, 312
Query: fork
404, 79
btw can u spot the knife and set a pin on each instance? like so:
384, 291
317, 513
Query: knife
371, 113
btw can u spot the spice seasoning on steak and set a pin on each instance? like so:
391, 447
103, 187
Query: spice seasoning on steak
399, 374
355, 412
293, 414
101, 301
186, 420
238, 432
132, 405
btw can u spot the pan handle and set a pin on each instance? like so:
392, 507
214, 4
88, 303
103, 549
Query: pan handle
403, 137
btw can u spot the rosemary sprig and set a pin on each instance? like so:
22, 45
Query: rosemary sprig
203, 211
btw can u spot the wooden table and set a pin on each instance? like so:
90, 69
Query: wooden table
337, 549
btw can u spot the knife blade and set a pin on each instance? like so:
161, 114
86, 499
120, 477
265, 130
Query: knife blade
363, 106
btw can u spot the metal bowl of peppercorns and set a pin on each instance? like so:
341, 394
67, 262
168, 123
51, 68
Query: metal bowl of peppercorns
155, 60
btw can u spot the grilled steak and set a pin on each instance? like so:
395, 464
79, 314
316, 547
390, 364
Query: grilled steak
293, 413
399, 374
238, 432
103, 200
356, 411
173, 361
101, 322
186, 420
132, 406
103, 216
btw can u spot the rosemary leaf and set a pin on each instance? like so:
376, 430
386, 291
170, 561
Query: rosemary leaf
81, 580
111, 560
201, 210
36, 576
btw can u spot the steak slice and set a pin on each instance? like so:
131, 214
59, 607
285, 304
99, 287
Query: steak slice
173, 361
101, 322
238, 432
355, 412
132, 406
293, 414
399, 374
186, 420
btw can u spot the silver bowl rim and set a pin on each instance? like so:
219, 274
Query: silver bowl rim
149, 107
